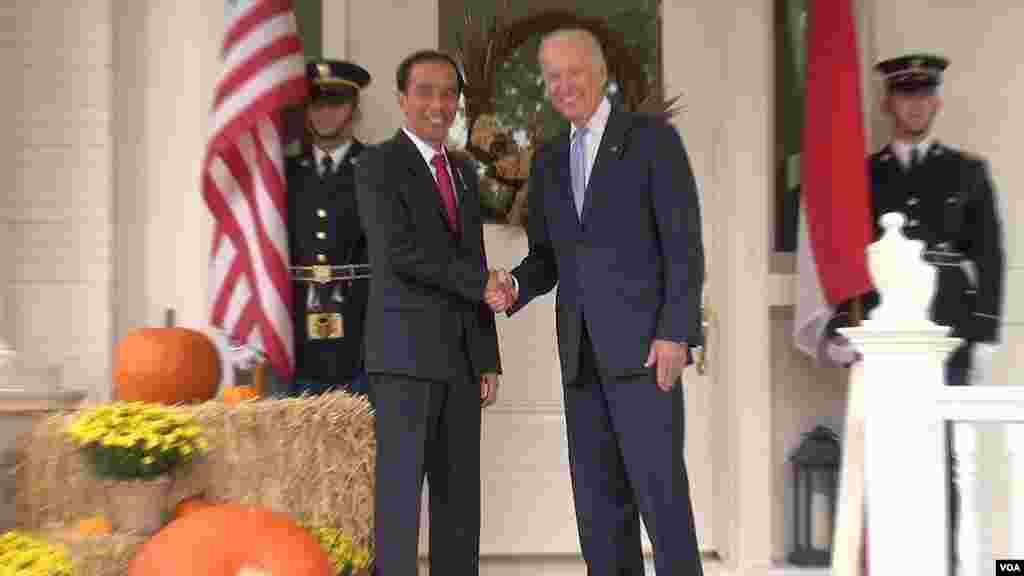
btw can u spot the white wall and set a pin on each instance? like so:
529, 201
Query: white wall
163, 87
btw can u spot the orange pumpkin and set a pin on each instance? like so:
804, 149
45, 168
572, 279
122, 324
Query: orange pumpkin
237, 394
190, 505
95, 526
224, 539
167, 365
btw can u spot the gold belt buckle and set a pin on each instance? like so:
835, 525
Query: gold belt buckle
325, 325
321, 273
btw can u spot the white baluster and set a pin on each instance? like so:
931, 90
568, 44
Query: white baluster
973, 546
1015, 483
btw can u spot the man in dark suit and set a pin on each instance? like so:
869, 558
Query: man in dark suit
431, 344
615, 222
325, 232
950, 205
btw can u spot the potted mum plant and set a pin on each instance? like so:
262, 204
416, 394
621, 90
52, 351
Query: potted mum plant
136, 446
22, 554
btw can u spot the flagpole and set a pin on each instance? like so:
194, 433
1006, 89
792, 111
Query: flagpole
837, 196
856, 311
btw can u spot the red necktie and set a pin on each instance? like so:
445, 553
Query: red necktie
444, 184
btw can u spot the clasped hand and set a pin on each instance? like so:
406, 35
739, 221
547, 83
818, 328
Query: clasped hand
501, 293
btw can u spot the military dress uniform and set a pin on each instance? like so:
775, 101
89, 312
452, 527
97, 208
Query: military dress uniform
325, 230
949, 204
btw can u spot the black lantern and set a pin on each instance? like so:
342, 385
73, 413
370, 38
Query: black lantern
815, 477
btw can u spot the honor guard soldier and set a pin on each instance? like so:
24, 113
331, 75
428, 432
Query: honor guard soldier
328, 246
950, 204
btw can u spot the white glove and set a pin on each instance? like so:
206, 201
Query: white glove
245, 357
982, 357
840, 352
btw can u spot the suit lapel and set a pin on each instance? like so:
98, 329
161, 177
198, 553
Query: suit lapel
461, 194
612, 144
309, 174
562, 160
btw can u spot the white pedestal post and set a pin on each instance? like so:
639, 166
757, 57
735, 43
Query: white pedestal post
902, 367
904, 448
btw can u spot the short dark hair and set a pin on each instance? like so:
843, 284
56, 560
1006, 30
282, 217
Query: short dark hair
405, 68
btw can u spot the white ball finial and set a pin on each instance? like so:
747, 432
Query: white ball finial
891, 220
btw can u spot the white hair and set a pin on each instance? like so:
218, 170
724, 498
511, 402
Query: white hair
586, 37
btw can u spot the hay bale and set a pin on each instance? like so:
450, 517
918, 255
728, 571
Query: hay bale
95, 555
312, 458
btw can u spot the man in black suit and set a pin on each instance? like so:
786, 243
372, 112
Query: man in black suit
431, 344
950, 204
324, 231
615, 222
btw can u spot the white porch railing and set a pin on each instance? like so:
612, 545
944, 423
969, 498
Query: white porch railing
989, 436
895, 452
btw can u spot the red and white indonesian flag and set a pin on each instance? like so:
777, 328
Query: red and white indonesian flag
835, 204
243, 178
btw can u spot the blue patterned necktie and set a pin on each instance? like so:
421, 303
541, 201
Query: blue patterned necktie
579, 168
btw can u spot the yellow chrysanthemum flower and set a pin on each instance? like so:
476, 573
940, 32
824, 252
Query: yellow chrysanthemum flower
139, 431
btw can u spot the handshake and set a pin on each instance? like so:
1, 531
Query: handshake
501, 293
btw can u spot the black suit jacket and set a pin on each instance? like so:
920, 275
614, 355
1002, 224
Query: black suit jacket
426, 310
633, 267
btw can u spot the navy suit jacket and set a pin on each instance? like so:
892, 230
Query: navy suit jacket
632, 267
426, 312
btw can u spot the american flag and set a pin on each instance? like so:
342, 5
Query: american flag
244, 179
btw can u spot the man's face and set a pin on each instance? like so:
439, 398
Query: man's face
430, 100
573, 79
329, 120
913, 111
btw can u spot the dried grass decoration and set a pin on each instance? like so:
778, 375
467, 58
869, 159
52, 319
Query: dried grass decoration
24, 555
135, 446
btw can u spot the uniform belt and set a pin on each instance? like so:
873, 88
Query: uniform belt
944, 257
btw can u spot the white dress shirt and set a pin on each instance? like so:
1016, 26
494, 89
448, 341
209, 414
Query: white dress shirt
902, 150
595, 130
428, 153
336, 157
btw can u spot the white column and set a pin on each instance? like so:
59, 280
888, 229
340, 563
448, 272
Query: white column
904, 466
407, 27
165, 69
